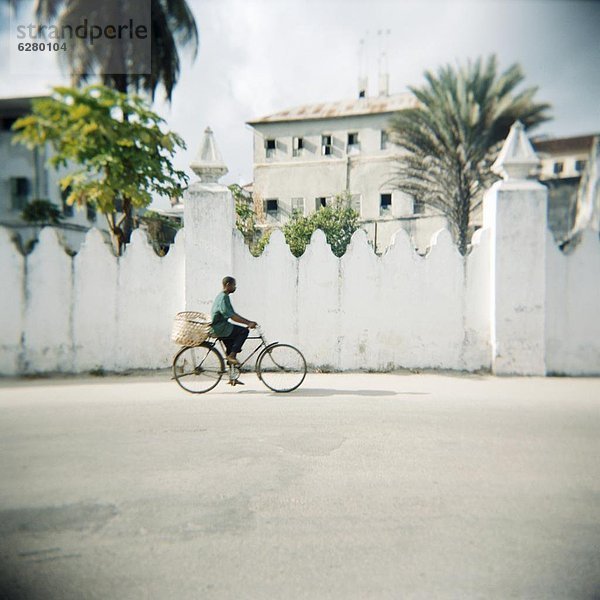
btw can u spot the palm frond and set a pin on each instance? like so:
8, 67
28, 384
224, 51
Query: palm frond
47, 10
450, 141
172, 27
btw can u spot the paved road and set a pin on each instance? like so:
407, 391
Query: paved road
356, 486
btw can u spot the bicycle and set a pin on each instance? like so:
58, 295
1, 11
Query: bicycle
199, 368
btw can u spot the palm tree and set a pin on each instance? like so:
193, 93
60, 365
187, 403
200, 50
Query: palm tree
172, 26
453, 136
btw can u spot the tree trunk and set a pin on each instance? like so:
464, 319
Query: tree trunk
462, 224
116, 234
127, 225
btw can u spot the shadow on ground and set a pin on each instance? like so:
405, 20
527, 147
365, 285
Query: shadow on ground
322, 393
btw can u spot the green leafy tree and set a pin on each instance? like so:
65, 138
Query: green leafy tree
172, 25
245, 220
161, 230
119, 144
249, 213
259, 247
338, 221
452, 138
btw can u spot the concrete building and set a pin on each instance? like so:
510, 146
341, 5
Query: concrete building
304, 157
25, 176
563, 164
563, 158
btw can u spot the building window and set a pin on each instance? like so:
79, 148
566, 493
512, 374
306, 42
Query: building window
272, 207
90, 212
321, 202
580, 165
298, 146
20, 188
385, 204
353, 142
326, 145
418, 207
558, 168
384, 139
6, 123
67, 209
298, 206
270, 147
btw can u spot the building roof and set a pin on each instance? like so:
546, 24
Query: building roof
12, 101
16, 105
567, 145
344, 108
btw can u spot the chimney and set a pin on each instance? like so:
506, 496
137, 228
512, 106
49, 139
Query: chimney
363, 80
384, 84
384, 77
363, 83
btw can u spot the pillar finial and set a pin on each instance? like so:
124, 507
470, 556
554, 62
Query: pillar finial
517, 158
208, 164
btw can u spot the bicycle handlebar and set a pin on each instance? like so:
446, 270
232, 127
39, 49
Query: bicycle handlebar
260, 332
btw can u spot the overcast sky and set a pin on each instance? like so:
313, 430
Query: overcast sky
262, 56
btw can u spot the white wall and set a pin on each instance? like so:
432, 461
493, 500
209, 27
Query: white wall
363, 311
573, 308
515, 213
89, 312
12, 299
94, 311
48, 327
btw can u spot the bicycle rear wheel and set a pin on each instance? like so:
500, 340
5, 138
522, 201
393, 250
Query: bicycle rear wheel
281, 367
198, 369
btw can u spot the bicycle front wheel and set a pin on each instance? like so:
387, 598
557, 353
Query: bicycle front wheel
198, 369
281, 368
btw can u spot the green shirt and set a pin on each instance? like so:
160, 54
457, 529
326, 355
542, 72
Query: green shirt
221, 311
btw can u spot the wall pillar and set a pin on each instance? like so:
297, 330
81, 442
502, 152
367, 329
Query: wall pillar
515, 210
209, 220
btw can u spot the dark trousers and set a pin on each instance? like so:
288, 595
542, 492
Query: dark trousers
235, 341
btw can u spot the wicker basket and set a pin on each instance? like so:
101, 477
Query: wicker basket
191, 328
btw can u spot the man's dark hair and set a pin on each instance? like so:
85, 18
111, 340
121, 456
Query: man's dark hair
227, 280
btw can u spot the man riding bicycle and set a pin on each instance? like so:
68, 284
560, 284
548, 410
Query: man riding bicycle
222, 312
